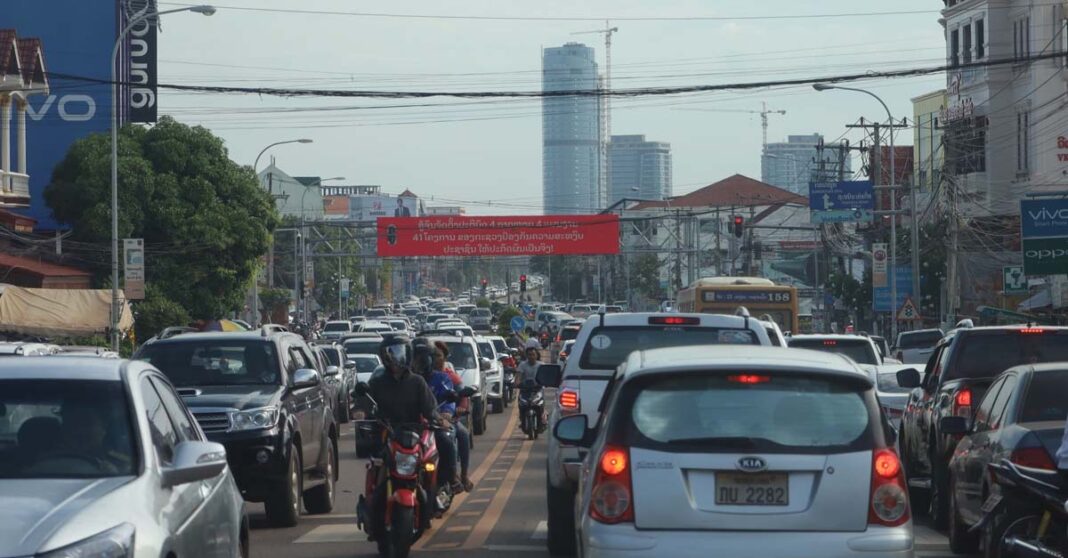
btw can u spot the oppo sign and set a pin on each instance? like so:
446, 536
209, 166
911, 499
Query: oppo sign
1044, 231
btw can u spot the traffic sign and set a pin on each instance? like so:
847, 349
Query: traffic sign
518, 324
908, 311
837, 202
1014, 280
881, 295
879, 257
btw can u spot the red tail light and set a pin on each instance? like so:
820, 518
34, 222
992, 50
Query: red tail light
569, 401
612, 498
749, 379
673, 320
962, 403
830, 343
1035, 458
1032, 330
889, 504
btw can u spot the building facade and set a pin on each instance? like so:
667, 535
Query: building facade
928, 155
22, 74
638, 169
571, 132
291, 196
446, 210
789, 165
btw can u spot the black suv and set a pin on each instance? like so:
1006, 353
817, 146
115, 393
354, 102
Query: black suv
259, 394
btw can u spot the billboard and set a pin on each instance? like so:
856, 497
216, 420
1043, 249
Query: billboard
1044, 230
369, 208
881, 295
335, 207
76, 37
498, 236
140, 65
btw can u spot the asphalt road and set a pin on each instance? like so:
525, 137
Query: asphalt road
505, 514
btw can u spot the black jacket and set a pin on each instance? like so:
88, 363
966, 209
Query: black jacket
403, 400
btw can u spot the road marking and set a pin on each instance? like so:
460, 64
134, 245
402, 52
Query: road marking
468, 514
541, 532
458, 529
477, 475
328, 517
443, 546
514, 548
345, 533
493, 512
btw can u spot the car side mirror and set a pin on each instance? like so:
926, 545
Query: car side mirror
332, 370
954, 425
908, 378
574, 430
305, 378
194, 461
550, 375
484, 364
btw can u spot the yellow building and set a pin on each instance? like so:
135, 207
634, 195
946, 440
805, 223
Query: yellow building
928, 153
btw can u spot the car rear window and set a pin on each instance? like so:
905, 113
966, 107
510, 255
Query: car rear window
569, 333
779, 414
1045, 397
859, 350
462, 355
214, 363
500, 345
481, 312
338, 326
369, 347
485, 350
987, 354
607, 347
920, 339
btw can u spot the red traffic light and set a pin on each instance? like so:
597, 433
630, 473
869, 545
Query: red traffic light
522, 277
738, 220
484, 282
739, 223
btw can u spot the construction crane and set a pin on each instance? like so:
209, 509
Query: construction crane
764, 112
606, 114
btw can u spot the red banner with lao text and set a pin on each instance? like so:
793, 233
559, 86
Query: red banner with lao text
535, 235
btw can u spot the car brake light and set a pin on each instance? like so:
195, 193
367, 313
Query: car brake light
612, 496
829, 343
889, 498
1032, 330
1034, 458
962, 403
569, 401
749, 379
673, 320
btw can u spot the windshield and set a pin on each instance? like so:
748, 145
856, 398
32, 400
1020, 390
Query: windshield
500, 345
485, 350
481, 312
338, 326
779, 415
920, 339
860, 350
214, 363
362, 346
606, 347
462, 355
987, 354
65, 429
1045, 397
365, 363
332, 357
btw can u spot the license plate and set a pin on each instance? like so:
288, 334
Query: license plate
990, 503
759, 489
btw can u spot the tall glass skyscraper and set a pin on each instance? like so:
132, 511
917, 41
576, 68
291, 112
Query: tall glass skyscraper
638, 169
571, 132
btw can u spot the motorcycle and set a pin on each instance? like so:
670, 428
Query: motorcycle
1028, 516
508, 362
400, 484
531, 409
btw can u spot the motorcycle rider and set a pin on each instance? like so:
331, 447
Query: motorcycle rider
528, 372
463, 436
424, 361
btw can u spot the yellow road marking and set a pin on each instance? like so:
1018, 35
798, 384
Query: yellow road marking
485, 526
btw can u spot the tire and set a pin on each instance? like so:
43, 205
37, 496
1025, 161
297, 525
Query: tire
320, 499
939, 504
401, 535
283, 509
561, 521
478, 418
960, 540
346, 410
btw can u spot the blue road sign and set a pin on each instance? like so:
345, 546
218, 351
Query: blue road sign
1044, 218
518, 324
841, 202
881, 295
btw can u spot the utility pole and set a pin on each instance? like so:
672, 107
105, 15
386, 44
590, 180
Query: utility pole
678, 250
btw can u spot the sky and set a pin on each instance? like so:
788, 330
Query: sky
486, 154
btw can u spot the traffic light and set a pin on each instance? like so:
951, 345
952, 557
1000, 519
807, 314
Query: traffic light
485, 283
522, 283
739, 224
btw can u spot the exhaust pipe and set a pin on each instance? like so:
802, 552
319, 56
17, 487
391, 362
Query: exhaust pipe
1028, 549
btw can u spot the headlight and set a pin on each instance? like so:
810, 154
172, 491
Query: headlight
254, 419
405, 463
115, 543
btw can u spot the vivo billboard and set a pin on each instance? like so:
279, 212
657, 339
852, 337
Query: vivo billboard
76, 38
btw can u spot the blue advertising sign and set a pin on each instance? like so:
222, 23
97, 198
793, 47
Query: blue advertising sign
881, 295
76, 39
1044, 218
836, 196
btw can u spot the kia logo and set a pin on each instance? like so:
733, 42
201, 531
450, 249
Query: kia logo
752, 464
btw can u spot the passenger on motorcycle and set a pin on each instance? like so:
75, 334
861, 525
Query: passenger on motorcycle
424, 363
463, 436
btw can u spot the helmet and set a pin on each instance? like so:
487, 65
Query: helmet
396, 351
422, 356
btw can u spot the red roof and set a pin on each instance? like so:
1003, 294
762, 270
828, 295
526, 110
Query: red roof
7, 48
407, 194
29, 55
44, 269
736, 191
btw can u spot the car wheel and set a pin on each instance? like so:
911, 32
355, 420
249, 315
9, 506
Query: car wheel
346, 406
283, 508
939, 505
960, 540
320, 499
478, 419
561, 520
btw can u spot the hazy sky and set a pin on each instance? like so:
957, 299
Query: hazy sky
486, 154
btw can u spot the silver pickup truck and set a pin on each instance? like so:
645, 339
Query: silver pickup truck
915, 347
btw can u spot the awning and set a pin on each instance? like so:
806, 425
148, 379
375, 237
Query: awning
1041, 300
59, 312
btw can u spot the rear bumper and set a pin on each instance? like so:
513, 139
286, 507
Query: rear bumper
599, 540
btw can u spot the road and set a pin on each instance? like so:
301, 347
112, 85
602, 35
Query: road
503, 516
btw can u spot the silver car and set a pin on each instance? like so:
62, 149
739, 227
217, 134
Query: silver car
99, 457
750, 451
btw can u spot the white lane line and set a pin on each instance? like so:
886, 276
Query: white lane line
513, 548
541, 532
333, 534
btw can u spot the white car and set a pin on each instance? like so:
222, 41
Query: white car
915, 347
336, 329
487, 352
375, 327
100, 457
740, 451
603, 344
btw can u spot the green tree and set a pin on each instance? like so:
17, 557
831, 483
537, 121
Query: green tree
504, 328
155, 313
645, 276
204, 219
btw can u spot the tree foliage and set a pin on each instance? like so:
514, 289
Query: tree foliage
204, 219
155, 313
504, 328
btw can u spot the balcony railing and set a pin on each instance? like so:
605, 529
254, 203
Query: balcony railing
14, 189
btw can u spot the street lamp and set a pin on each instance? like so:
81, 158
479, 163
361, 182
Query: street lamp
893, 213
304, 233
115, 306
256, 164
